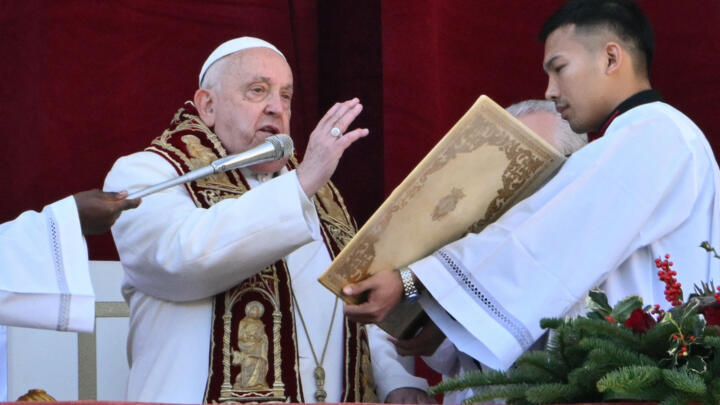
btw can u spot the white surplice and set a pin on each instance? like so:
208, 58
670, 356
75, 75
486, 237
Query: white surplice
646, 188
45, 277
177, 257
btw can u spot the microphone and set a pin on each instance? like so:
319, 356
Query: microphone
275, 147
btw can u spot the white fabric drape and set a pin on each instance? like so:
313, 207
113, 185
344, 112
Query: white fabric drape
45, 278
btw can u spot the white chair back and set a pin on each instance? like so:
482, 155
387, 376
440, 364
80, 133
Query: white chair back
72, 366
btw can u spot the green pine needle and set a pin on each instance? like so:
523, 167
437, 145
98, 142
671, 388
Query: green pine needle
551, 323
606, 353
547, 366
674, 400
490, 393
712, 341
552, 393
469, 380
685, 381
619, 335
629, 379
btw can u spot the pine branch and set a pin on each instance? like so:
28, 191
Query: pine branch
674, 400
552, 368
714, 391
712, 330
601, 342
470, 380
620, 335
603, 353
712, 341
629, 379
528, 373
552, 393
511, 392
552, 323
586, 378
713, 373
645, 395
685, 381
563, 346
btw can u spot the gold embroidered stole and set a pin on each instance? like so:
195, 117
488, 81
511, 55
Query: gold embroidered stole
253, 353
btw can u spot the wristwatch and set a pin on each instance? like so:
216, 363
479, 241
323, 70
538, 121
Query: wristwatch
410, 290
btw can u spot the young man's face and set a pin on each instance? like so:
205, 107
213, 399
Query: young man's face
576, 79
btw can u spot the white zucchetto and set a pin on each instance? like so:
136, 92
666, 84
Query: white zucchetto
232, 46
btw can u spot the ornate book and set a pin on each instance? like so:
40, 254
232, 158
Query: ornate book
485, 164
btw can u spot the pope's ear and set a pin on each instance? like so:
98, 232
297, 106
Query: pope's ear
204, 102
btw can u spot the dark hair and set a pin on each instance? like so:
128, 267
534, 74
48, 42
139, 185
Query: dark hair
622, 17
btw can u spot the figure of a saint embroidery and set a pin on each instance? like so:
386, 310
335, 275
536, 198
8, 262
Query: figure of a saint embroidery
197, 151
253, 350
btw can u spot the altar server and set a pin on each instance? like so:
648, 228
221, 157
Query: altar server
648, 186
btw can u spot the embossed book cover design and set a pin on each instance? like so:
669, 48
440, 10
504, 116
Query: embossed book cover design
485, 164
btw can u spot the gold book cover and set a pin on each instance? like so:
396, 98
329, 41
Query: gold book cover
484, 165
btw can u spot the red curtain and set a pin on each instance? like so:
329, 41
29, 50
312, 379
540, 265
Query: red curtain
439, 56
86, 82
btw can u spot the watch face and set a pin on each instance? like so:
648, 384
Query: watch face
412, 297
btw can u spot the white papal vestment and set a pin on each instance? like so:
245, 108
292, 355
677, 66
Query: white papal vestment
45, 276
646, 188
177, 257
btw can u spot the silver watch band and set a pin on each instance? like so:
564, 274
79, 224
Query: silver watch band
409, 288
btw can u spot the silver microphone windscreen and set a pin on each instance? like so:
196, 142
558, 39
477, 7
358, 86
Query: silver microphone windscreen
283, 145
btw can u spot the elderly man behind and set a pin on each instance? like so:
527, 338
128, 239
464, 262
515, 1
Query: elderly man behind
206, 263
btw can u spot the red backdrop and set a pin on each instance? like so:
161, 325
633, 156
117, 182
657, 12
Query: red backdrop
439, 56
86, 82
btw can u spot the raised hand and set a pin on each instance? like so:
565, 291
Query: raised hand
325, 149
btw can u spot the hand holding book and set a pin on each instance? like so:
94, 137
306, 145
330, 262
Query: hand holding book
484, 165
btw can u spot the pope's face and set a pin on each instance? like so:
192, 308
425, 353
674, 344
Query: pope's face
576, 82
253, 102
